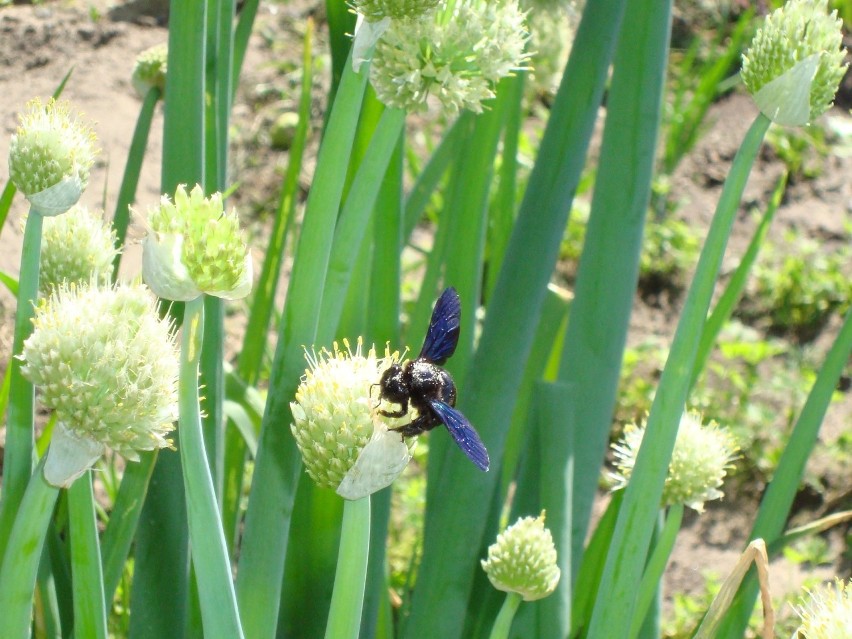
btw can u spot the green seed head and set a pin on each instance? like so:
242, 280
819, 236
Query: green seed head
701, 458
107, 364
76, 248
795, 62
523, 560
456, 55
195, 247
150, 70
51, 148
375, 10
826, 611
335, 413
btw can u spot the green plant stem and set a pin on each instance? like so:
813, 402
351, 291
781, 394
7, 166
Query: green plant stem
503, 622
130, 180
347, 599
207, 540
655, 567
18, 455
20, 566
89, 612
627, 554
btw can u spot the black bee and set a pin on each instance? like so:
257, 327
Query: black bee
424, 385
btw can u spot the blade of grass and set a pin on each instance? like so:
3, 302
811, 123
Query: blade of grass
123, 520
261, 566
488, 395
6, 202
626, 558
778, 498
609, 265
89, 611
344, 617
20, 565
242, 32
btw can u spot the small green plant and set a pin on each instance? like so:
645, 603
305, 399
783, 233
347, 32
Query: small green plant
802, 150
670, 251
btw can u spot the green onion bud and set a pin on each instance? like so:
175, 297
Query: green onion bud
375, 10
702, 455
195, 247
149, 71
455, 55
826, 611
523, 560
76, 248
106, 363
795, 62
344, 441
50, 156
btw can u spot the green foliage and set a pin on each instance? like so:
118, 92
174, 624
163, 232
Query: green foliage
802, 150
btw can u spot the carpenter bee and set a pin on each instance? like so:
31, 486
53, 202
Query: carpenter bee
424, 385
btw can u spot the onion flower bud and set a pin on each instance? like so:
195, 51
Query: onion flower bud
106, 363
826, 612
456, 54
795, 62
523, 560
344, 441
50, 156
76, 248
375, 10
195, 247
702, 455
149, 72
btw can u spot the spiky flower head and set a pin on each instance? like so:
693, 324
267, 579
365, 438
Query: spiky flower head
77, 248
456, 54
50, 156
826, 611
195, 247
552, 24
702, 455
106, 363
149, 72
795, 62
523, 560
336, 416
375, 10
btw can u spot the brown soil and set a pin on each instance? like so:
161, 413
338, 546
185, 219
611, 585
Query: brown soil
39, 44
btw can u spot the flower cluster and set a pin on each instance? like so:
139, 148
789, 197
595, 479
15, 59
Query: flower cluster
702, 455
826, 612
51, 150
77, 248
336, 421
149, 72
523, 560
106, 363
375, 10
795, 62
456, 54
195, 247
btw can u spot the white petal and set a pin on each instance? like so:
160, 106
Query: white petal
366, 35
786, 100
69, 456
58, 198
163, 270
381, 461
243, 287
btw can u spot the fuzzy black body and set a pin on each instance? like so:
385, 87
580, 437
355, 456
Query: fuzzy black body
424, 385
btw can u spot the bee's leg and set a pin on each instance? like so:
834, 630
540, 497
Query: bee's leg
403, 409
420, 425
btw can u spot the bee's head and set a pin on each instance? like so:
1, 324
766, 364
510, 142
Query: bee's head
392, 385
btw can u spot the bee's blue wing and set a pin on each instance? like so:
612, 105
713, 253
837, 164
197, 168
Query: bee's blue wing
443, 334
462, 431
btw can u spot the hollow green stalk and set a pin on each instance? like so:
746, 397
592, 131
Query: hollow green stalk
18, 457
503, 622
627, 554
87, 574
20, 566
347, 599
207, 540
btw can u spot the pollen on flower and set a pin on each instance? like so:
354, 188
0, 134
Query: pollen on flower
456, 54
106, 363
523, 560
335, 413
702, 455
826, 611
50, 146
